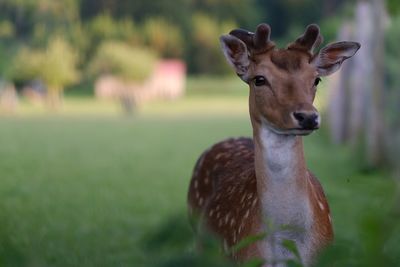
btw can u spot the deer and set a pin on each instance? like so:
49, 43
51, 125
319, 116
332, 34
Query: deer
243, 187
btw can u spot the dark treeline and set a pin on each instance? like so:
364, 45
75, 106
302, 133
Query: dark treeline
280, 14
187, 29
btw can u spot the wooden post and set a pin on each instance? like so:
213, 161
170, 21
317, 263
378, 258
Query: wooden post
361, 80
375, 122
339, 95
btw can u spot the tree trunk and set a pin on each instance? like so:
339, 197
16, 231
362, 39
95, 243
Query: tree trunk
375, 122
361, 80
54, 98
338, 109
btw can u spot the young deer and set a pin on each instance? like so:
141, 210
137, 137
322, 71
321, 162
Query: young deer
243, 187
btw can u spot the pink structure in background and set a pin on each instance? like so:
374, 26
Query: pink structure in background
167, 82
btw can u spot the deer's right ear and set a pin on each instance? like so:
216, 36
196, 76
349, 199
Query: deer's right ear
331, 57
236, 53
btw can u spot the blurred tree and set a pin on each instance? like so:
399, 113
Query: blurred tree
24, 66
163, 37
206, 56
375, 130
339, 93
126, 62
246, 13
393, 6
285, 16
55, 66
58, 69
6, 29
177, 11
89, 35
104, 27
363, 106
20, 13
87, 23
46, 16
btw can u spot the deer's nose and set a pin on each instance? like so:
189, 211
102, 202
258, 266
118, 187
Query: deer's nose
307, 120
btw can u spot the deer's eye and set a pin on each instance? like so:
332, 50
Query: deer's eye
260, 80
317, 80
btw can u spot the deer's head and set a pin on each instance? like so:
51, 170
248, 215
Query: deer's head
283, 82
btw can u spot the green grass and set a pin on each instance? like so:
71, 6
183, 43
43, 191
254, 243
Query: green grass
85, 190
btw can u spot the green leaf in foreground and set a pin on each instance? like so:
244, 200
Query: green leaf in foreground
247, 241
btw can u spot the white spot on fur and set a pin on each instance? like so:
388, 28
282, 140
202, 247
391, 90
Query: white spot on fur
206, 180
227, 218
246, 214
215, 167
211, 212
254, 202
232, 221
196, 183
240, 228
218, 156
243, 197
329, 217
201, 201
321, 206
226, 247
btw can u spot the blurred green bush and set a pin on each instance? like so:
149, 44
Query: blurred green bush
173, 243
189, 32
56, 66
163, 37
119, 59
206, 56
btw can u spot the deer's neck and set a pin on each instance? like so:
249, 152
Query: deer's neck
281, 177
282, 189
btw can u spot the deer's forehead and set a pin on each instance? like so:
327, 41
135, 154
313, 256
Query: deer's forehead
283, 62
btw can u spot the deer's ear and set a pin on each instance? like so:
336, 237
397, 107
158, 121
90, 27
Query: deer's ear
236, 53
331, 57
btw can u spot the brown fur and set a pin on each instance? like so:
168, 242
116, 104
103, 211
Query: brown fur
323, 224
287, 60
224, 187
239, 181
291, 79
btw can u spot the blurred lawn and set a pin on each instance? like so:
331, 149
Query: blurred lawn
83, 190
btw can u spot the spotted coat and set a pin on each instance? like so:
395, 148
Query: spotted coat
223, 192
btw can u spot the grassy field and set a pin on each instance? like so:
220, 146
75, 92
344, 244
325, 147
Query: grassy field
85, 190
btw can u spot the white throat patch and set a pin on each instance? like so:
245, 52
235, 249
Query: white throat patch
284, 202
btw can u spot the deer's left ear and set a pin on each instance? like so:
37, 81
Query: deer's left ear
331, 57
236, 53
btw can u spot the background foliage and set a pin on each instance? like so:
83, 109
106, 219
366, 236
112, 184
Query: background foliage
190, 31
90, 187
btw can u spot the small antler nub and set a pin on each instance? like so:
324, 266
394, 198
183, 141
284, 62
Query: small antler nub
261, 38
258, 42
309, 40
